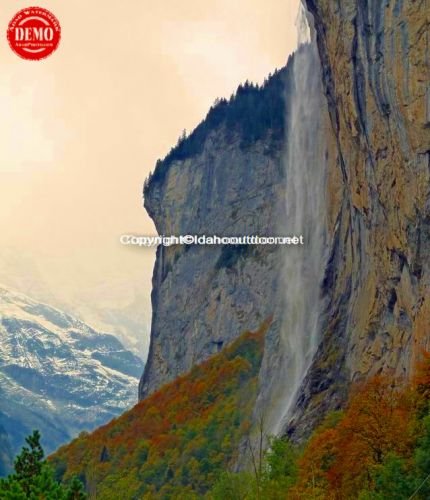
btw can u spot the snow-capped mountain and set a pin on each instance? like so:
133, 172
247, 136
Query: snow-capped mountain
58, 374
118, 305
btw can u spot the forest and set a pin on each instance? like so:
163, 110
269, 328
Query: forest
182, 442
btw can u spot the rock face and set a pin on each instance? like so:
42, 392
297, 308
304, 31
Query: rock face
204, 297
375, 59
57, 374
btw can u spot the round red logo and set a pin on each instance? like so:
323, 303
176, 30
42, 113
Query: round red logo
34, 33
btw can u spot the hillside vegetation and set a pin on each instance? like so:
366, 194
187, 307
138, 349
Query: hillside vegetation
182, 441
177, 442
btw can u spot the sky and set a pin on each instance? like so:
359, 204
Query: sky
81, 130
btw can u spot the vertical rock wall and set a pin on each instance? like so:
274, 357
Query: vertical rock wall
375, 70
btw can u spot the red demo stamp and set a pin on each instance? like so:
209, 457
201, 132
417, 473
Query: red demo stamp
34, 33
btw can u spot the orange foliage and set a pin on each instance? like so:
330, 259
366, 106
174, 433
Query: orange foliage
422, 378
340, 460
176, 443
180, 437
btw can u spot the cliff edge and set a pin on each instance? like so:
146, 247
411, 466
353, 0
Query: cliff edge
225, 179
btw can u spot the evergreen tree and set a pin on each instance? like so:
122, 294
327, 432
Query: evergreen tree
28, 465
33, 477
76, 490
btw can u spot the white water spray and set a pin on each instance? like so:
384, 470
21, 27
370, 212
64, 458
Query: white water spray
305, 164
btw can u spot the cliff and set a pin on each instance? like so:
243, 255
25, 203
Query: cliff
375, 71
374, 60
225, 179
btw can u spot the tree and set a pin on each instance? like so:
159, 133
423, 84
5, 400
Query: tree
392, 480
76, 490
422, 461
235, 486
422, 384
280, 469
28, 465
34, 478
281, 459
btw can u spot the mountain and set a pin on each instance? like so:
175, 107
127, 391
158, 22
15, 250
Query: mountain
6, 455
57, 374
199, 389
335, 146
113, 306
354, 146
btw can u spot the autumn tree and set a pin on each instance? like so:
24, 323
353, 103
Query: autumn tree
343, 459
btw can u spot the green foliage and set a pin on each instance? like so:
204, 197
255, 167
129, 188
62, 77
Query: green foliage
182, 440
76, 490
331, 420
28, 465
391, 481
280, 473
422, 460
177, 442
240, 486
377, 449
34, 479
281, 460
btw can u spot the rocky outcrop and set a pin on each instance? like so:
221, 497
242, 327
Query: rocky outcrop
204, 297
375, 67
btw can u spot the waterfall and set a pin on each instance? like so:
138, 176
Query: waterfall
305, 164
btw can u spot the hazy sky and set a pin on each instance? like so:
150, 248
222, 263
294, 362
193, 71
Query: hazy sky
81, 130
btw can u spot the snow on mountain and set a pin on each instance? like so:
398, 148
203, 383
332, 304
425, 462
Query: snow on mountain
57, 374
